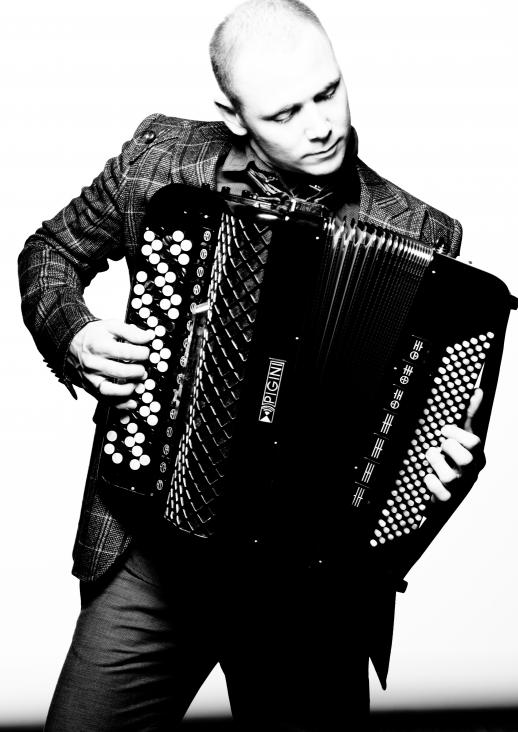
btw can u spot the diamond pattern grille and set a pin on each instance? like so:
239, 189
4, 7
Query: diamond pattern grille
217, 375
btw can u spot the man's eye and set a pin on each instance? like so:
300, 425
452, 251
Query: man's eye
330, 94
284, 117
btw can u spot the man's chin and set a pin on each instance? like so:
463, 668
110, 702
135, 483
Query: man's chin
322, 168
326, 165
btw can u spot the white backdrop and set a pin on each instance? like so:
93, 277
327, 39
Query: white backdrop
432, 86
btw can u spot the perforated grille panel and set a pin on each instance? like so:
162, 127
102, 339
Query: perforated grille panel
217, 375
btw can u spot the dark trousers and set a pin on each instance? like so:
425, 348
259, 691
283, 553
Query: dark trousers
289, 643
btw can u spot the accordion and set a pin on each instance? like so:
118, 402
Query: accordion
300, 370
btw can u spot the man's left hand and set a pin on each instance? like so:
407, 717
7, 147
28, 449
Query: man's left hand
460, 453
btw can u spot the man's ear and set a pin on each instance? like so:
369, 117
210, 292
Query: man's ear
231, 118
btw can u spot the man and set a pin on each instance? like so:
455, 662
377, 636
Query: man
160, 610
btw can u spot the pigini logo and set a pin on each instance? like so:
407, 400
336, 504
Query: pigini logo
271, 390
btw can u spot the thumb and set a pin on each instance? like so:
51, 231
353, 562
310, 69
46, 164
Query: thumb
473, 406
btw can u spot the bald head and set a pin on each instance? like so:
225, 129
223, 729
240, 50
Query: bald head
260, 26
284, 88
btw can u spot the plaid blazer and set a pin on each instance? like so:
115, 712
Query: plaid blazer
102, 223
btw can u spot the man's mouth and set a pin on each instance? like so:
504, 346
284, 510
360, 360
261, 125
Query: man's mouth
328, 151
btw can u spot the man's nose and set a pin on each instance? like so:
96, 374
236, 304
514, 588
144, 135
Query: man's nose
318, 126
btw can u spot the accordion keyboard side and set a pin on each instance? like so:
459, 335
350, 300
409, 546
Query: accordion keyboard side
169, 288
452, 344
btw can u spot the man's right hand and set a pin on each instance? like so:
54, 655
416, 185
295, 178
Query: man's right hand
108, 357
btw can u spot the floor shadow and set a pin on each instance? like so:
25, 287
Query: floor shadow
453, 720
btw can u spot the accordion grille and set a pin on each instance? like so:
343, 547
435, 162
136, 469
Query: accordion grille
217, 374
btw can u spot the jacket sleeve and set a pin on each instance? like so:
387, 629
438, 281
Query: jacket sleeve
62, 257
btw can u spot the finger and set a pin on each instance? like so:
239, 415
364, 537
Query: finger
457, 453
108, 369
129, 404
129, 332
107, 388
473, 406
436, 488
121, 351
442, 469
116, 394
466, 438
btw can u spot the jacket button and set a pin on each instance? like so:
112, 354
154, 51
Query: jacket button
149, 136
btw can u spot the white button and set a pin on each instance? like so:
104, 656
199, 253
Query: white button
149, 384
111, 436
132, 428
154, 357
173, 313
147, 398
145, 459
162, 366
129, 441
157, 344
159, 281
165, 353
154, 406
157, 245
136, 303
144, 411
162, 268
167, 291
176, 299
175, 250
109, 449
152, 321
137, 451
141, 276
144, 313
160, 331
170, 277
134, 464
117, 458
178, 235
184, 259
152, 420
164, 304
149, 235
154, 258
186, 245
146, 250
139, 438
147, 299
139, 289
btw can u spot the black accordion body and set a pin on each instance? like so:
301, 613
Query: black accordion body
300, 371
